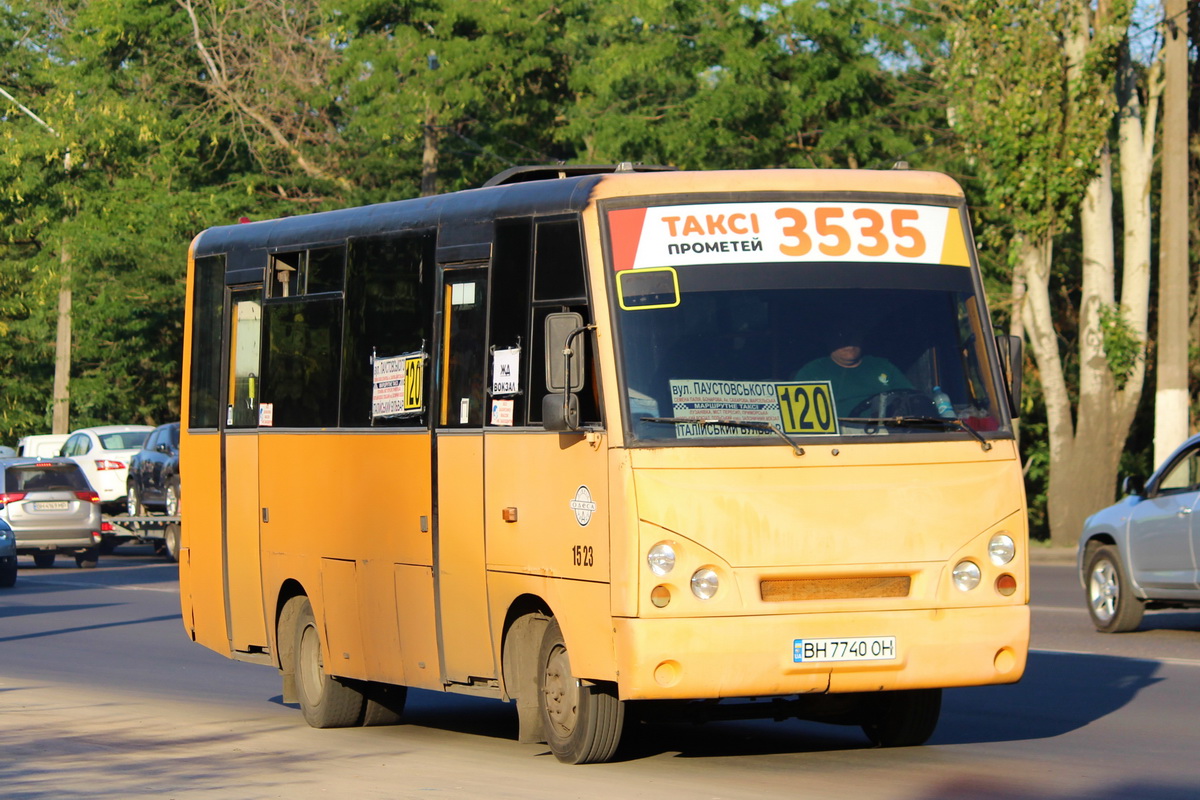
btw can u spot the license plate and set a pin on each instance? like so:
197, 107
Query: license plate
51, 505
866, 648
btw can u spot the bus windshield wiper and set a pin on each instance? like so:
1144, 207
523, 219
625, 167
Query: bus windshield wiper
921, 422
732, 423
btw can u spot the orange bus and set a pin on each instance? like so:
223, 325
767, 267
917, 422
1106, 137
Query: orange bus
591, 437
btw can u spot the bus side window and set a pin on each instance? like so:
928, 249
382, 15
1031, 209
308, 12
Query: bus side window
204, 408
300, 362
388, 313
511, 274
559, 285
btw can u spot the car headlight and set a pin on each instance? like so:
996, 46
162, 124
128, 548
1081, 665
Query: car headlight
661, 558
1001, 549
6, 536
966, 575
705, 583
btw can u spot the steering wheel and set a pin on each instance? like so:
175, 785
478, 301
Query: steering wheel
896, 403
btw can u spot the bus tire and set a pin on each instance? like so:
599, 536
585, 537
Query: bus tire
325, 701
903, 718
582, 723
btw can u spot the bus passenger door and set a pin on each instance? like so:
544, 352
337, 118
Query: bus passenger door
461, 578
245, 620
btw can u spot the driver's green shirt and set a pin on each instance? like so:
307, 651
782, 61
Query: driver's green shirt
852, 385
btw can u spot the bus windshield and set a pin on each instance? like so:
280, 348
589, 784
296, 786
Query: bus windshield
744, 351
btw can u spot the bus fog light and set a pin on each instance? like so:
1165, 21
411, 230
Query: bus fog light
1001, 549
966, 575
1006, 585
704, 583
661, 558
660, 596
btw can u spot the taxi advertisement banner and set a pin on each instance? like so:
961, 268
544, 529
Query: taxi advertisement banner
742, 233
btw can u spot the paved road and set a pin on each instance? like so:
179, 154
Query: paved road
102, 696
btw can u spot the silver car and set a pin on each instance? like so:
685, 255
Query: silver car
1141, 552
8, 556
51, 508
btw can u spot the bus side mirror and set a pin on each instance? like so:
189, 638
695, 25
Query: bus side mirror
564, 371
560, 412
1012, 362
561, 361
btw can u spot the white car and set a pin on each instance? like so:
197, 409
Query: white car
104, 453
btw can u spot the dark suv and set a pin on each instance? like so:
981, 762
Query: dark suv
154, 473
51, 509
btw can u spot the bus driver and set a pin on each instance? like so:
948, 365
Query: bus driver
853, 376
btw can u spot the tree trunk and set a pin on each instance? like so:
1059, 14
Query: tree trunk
1085, 448
61, 413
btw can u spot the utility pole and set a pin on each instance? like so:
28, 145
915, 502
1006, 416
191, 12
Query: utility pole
1171, 391
429, 158
61, 408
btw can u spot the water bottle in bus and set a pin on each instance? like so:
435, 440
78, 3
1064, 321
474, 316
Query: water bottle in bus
941, 401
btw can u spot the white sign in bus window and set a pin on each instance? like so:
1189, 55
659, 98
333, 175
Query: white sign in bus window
398, 385
502, 412
753, 402
462, 294
506, 372
800, 407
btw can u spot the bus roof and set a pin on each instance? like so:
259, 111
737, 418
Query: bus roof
473, 211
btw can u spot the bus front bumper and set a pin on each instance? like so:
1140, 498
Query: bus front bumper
765, 656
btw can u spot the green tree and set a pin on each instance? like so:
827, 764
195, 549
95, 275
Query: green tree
1037, 91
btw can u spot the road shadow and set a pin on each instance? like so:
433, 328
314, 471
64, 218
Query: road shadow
1059, 693
1169, 621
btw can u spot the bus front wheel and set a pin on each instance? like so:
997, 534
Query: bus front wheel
582, 723
903, 718
326, 702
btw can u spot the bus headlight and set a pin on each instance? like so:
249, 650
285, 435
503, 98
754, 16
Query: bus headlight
1001, 549
966, 575
661, 558
704, 583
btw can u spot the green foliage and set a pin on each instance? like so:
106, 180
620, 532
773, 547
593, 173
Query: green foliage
1032, 120
327, 105
1123, 347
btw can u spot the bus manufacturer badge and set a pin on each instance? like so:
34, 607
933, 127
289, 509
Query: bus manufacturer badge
583, 506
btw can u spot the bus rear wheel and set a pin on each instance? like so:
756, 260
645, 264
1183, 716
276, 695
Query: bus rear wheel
904, 718
326, 702
582, 724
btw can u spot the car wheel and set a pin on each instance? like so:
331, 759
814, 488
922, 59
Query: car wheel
88, 558
1111, 604
8, 575
325, 701
582, 724
133, 502
43, 560
171, 540
903, 718
173, 498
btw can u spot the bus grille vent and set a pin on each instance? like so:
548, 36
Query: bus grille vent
777, 591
